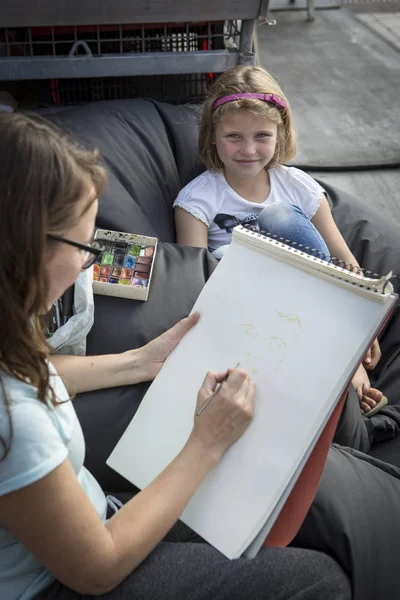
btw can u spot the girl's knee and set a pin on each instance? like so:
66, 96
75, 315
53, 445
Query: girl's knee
281, 216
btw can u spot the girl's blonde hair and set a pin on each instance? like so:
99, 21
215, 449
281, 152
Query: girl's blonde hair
239, 80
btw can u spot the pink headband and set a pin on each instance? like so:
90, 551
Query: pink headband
272, 98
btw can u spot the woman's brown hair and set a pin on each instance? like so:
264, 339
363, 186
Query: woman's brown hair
42, 177
238, 80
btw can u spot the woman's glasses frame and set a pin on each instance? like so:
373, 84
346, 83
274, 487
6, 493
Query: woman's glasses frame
92, 250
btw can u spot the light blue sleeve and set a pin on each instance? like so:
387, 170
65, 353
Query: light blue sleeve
36, 446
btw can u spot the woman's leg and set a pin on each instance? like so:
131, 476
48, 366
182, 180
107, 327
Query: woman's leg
199, 572
184, 567
289, 222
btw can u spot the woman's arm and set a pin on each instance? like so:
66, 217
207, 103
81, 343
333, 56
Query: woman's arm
88, 373
55, 519
57, 522
189, 230
327, 227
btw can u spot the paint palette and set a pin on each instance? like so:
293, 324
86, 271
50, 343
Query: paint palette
125, 266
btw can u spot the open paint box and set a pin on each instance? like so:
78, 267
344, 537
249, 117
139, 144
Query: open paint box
125, 267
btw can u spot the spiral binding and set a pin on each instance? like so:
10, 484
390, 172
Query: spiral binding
312, 252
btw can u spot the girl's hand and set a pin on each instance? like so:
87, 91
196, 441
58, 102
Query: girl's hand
154, 354
228, 415
373, 356
368, 397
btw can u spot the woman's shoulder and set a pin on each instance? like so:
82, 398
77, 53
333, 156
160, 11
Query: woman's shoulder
34, 433
16, 390
20, 391
19, 401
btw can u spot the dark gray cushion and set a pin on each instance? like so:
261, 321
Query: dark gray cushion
375, 242
136, 149
355, 518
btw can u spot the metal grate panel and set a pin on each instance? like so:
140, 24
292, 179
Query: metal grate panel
101, 40
177, 89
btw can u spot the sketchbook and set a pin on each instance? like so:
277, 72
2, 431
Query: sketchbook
300, 326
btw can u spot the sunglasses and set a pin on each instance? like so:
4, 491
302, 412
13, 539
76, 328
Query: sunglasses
92, 251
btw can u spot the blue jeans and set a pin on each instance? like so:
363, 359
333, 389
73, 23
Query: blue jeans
291, 223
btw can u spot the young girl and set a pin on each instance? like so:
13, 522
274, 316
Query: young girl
55, 539
246, 135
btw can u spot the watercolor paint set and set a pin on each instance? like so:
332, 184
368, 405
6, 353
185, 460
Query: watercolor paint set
125, 267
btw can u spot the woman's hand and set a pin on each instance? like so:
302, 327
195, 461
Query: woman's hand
228, 415
373, 356
154, 354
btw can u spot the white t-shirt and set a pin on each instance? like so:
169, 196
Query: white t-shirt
43, 437
210, 199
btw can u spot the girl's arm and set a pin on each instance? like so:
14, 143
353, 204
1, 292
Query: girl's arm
189, 230
338, 248
326, 226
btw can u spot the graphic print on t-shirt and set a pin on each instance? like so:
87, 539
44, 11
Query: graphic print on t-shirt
228, 222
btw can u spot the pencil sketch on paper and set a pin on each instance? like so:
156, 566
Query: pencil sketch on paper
269, 351
289, 318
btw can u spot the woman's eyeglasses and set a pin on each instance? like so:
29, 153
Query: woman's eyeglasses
92, 251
